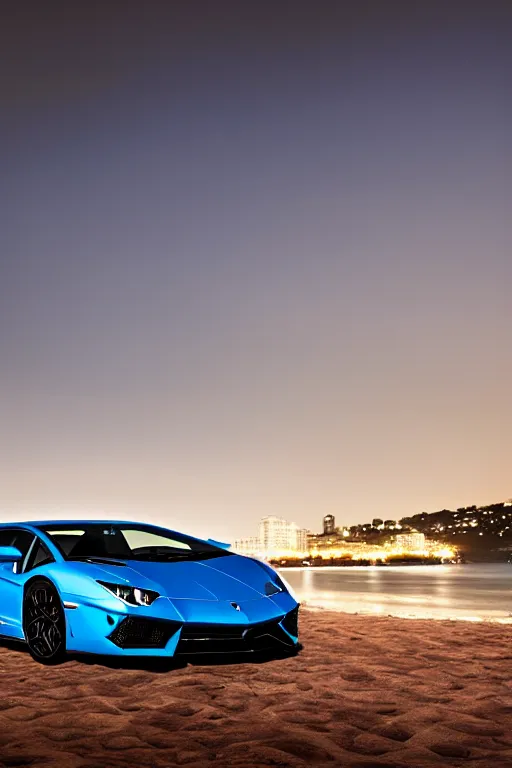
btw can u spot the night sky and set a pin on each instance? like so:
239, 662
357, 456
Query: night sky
255, 258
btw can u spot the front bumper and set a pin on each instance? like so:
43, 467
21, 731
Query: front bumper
182, 627
277, 634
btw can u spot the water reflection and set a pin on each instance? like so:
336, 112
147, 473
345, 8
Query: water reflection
448, 591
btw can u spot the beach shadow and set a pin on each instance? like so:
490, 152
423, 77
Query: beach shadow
145, 663
13, 645
164, 665
256, 657
156, 664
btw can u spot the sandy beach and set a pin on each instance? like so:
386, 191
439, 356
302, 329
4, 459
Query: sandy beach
363, 692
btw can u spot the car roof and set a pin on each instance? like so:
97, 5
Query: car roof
45, 523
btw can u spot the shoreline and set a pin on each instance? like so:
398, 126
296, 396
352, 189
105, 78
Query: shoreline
314, 608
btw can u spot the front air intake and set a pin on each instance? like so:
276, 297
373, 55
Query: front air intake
135, 632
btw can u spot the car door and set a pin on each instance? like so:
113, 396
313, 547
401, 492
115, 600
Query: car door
12, 580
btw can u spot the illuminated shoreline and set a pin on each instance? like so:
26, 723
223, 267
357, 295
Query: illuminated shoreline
315, 606
318, 607
357, 553
341, 563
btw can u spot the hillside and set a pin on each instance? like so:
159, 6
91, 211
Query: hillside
480, 533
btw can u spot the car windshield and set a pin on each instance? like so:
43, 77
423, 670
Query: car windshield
127, 542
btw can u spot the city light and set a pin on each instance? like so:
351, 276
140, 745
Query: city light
412, 545
420, 538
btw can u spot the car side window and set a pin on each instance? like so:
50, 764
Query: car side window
39, 555
22, 541
6, 537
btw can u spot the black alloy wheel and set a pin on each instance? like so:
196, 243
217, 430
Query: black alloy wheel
44, 622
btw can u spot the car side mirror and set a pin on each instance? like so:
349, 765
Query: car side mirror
9, 555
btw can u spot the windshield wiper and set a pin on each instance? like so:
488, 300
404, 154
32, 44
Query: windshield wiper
94, 559
163, 558
170, 556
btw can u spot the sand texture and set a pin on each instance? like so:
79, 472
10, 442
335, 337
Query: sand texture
363, 692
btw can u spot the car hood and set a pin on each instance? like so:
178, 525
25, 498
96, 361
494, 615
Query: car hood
232, 577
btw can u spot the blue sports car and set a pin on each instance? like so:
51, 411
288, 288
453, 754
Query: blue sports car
139, 590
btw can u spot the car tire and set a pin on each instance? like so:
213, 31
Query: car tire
44, 622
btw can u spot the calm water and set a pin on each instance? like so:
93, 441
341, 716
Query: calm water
434, 591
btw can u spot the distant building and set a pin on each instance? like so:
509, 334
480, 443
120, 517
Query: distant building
411, 542
274, 533
278, 535
301, 538
250, 546
329, 525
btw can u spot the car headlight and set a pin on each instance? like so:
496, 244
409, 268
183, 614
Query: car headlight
131, 595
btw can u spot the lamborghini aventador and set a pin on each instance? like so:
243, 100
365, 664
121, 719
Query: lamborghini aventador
108, 587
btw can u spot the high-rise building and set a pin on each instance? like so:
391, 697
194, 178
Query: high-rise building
278, 535
329, 525
411, 542
298, 538
274, 534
